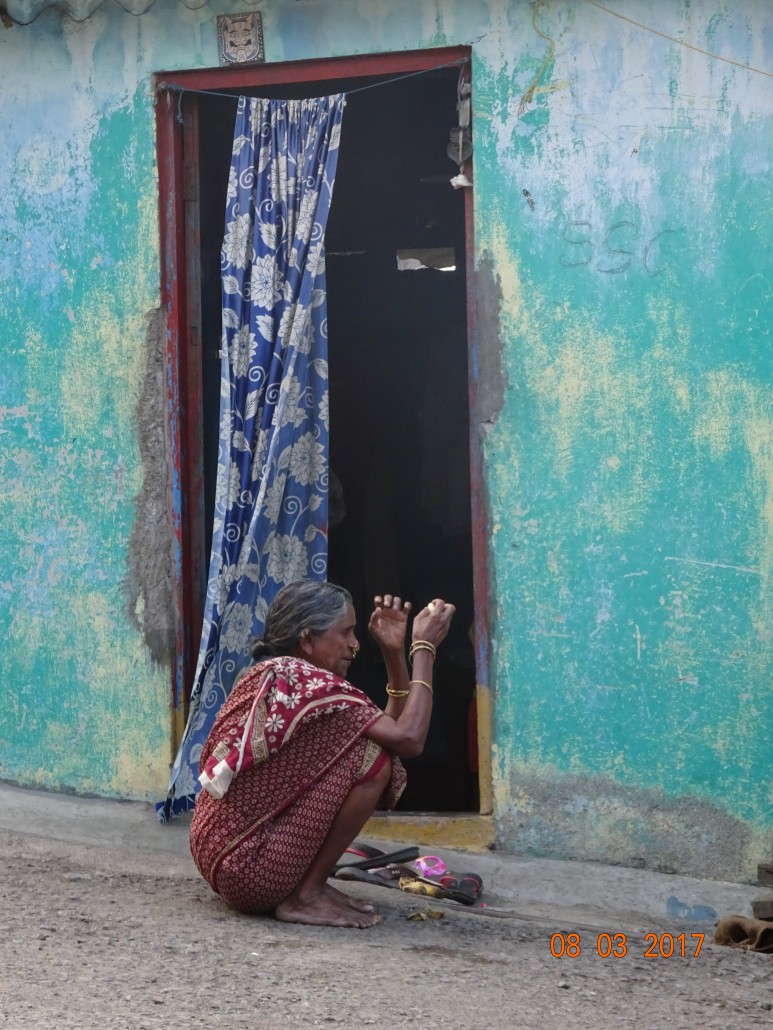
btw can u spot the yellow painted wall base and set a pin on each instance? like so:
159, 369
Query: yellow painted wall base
471, 832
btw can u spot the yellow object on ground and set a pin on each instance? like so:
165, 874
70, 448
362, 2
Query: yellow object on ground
429, 890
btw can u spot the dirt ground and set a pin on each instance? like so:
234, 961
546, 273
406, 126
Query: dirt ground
112, 938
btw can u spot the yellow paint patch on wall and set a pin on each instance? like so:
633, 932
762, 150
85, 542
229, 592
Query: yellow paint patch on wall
37, 357
565, 386
672, 327
716, 427
499, 782
27, 632
592, 386
470, 832
64, 742
580, 377
102, 368
738, 414
140, 773
109, 662
758, 437
105, 357
124, 704
682, 394
514, 315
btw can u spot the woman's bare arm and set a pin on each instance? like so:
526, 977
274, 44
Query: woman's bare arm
387, 626
402, 730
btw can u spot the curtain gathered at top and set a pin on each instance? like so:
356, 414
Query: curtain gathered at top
270, 518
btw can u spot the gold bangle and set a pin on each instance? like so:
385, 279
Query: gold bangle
396, 693
424, 684
421, 645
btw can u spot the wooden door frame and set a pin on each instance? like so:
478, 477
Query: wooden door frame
178, 195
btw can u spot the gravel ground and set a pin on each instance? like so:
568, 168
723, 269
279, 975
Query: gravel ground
110, 937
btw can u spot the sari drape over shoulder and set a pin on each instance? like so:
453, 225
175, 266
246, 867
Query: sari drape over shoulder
286, 749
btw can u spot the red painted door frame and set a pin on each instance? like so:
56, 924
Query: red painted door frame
177, 195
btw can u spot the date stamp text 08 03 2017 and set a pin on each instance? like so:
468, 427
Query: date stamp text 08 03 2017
617, 945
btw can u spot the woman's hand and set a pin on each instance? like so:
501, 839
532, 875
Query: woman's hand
432, 622
389, 621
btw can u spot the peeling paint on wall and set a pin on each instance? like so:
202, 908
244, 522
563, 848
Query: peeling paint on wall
549, 814
86, 709
149, 576
628, 468
488, 374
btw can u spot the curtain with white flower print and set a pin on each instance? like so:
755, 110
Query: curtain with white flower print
270, 520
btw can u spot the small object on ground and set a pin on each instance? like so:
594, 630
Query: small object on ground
694, 913
430, 865
416, 917
762, 908
435, 913
416, 886
443, 887
747, 934
765, 873
470, 882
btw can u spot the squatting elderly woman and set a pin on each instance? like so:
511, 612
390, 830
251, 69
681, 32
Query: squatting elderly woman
299, 759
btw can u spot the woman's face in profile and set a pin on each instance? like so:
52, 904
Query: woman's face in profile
334, 649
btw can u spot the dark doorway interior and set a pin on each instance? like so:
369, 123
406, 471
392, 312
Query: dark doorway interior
398, 383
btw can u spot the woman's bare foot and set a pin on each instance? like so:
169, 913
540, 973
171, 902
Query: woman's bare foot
349, 901
323, 909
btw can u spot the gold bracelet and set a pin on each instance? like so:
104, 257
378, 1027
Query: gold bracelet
424, 684
421, 645
396, 693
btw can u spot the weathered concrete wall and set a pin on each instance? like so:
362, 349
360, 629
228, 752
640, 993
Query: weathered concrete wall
625, 415
631, 466
86, 684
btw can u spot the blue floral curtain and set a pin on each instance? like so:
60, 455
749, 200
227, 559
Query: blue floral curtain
270, 520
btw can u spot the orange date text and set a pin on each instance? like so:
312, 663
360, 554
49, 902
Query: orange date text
617, 945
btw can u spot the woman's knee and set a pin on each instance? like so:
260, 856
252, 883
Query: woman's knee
375, 761
384, 773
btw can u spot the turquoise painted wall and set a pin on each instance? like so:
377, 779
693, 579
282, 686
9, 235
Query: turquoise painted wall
625, 417
631, 465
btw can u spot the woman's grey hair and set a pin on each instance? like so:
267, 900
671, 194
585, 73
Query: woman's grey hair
303, 606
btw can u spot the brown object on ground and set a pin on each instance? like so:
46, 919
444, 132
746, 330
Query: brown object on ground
765, 874
749, 934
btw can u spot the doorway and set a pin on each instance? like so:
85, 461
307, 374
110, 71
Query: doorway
396, 243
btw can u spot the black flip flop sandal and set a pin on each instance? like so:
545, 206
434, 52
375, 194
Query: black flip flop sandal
380, 878
395, 877
375, 859
387, 877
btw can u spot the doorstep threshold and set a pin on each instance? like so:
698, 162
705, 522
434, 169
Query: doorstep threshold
468, 830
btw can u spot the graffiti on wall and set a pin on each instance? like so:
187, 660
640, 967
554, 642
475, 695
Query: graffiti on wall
612, 249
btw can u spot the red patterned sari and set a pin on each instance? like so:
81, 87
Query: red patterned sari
285, 751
